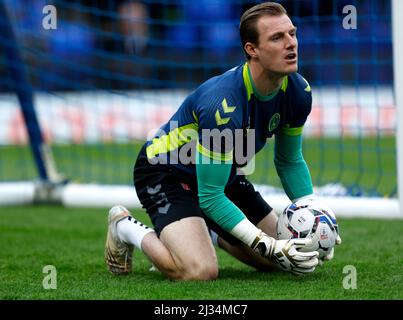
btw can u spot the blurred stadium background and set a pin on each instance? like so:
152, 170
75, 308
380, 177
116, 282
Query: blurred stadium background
113, 71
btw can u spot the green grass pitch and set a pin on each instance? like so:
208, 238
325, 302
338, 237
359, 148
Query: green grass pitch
72, 240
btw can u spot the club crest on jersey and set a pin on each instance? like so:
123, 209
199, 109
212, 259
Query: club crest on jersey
274, 122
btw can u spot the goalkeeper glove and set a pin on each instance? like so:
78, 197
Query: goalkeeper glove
286, 254
330, 255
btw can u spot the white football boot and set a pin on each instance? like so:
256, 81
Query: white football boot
118, 254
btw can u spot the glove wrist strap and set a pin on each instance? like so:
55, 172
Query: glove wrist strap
264, 245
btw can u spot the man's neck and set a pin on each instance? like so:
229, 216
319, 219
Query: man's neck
265, 81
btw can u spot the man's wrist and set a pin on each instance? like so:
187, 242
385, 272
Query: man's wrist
307, 197
247, 232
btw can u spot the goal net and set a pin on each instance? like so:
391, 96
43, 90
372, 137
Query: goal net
84, 83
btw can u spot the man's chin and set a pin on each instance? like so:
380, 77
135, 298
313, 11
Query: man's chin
291, 70
287, 70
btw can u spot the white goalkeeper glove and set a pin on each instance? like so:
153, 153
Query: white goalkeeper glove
330, 255
286, 254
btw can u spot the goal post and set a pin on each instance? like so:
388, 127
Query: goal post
19, 84
397, 31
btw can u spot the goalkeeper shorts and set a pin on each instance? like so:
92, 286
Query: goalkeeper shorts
169, 195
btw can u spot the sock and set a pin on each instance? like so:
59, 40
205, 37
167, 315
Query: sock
132, 231
214, 237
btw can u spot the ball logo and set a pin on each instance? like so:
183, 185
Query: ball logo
323, 234
301, 220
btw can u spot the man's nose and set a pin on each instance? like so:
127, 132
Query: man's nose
291, 41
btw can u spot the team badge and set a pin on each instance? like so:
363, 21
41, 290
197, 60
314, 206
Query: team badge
274, 122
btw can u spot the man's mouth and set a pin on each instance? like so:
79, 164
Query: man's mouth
291, 56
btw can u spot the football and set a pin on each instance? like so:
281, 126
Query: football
309, 219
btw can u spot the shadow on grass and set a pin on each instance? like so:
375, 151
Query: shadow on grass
229, 273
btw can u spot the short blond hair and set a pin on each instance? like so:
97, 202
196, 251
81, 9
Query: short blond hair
247, 27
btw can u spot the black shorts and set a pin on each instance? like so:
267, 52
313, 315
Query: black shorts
169, 195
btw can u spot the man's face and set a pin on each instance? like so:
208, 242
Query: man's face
278, 46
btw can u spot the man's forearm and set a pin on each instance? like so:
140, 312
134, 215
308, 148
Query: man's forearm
212, 179
291, 166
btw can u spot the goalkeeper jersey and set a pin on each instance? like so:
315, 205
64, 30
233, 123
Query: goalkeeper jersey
226, 105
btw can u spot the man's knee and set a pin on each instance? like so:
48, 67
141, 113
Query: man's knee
200, 271
195, 270
192, 252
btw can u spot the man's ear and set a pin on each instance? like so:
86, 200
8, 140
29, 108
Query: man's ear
250, 49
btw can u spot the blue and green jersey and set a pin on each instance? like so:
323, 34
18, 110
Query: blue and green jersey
229, 104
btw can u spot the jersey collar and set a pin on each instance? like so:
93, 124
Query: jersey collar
251, 89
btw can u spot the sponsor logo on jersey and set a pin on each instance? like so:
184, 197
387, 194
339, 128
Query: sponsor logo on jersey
227, 109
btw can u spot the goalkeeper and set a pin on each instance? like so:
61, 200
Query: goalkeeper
192, 202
